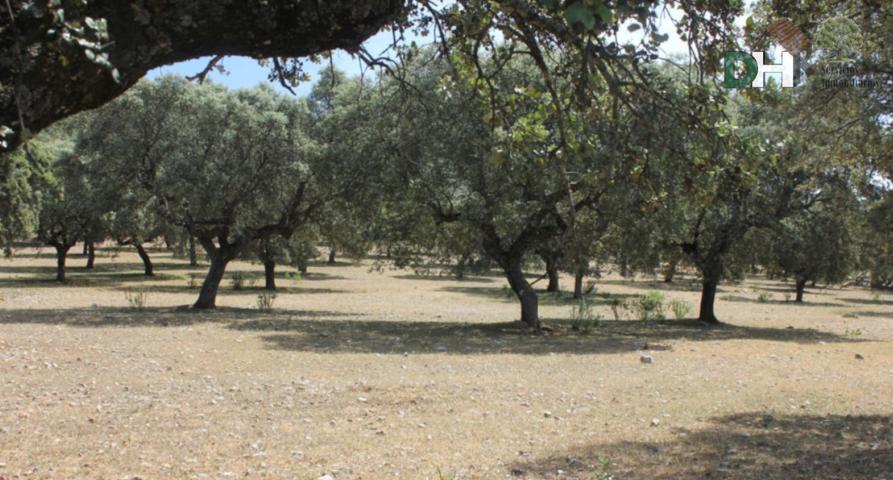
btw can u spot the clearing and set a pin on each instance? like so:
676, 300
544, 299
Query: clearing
359, 373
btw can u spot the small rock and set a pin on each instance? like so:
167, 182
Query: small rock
547, 414
645, 358
655, 422
327, 477
859, 357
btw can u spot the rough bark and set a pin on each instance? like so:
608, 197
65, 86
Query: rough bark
708, 299
50, 79
220, 256
269, 275
207, 297
525, 293
61, 254
91, 255
801, 287
148, 269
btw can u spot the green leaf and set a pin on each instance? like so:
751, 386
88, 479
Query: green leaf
576, 13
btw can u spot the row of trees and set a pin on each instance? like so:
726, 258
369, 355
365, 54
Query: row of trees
493, 149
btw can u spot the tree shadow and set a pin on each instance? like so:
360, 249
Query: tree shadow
156, 317
396, 337
505, 294
446, 278
888, 315
867, 301
227, 290
87, 278
806, 302
679, 284
741, 446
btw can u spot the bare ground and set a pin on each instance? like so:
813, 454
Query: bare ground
362, 374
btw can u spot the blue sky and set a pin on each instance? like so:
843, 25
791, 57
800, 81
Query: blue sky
244, 72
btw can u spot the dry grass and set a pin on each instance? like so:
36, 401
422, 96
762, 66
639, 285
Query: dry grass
360, 374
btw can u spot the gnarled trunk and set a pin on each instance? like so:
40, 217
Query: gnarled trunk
147, 262
207, 297
269, 275
56, 79
525, 293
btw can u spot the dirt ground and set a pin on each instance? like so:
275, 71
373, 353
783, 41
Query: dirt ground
361, 374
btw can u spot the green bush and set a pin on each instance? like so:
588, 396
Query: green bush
583, 319
681, 309
649, 306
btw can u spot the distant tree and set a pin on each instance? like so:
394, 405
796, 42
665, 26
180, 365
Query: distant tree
813, 246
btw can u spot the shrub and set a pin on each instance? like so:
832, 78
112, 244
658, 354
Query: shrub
764, 297
616, 305
650, 306
583, 319
265, 301
136, 298
681, 309
238, 279
590, 288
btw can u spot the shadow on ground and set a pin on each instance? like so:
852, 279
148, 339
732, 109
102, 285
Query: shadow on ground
738, 447
505, 294
335, 332
806, 301
157, 317
448, 278
396, 337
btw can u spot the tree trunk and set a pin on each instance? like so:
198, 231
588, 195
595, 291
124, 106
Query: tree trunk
552, 272
269, 275
331, 256
193, 258
708, 298
525, 293
801, 286
670, 272
91, 255
207, 297
147, 262
578, 282
61, 253
624, 267
84, 252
